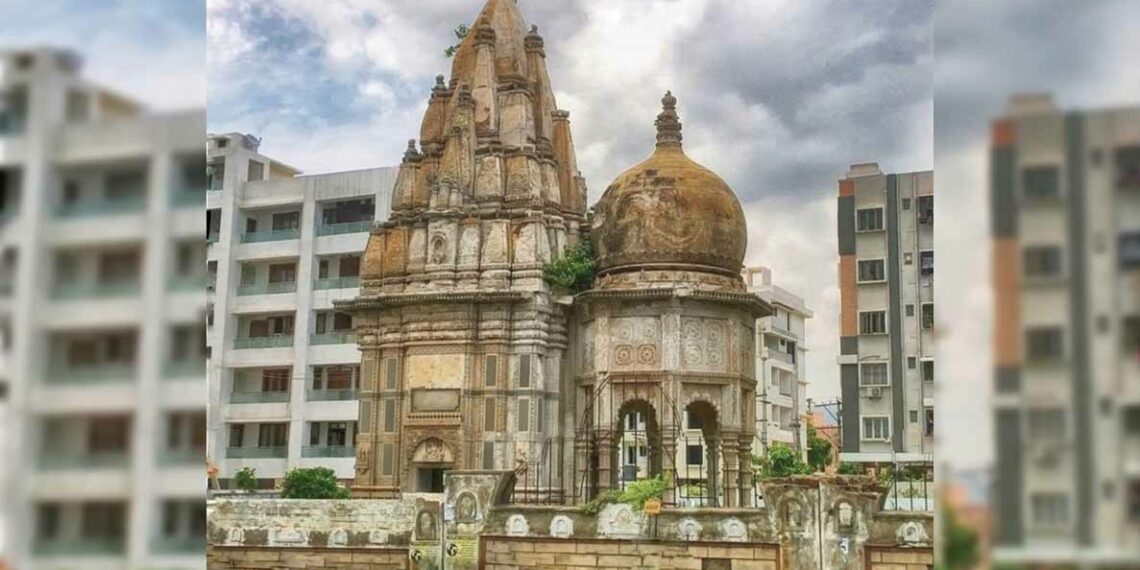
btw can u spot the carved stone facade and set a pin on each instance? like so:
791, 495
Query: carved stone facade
462, 340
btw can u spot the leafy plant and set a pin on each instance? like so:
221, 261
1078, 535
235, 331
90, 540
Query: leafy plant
574, 269
781, 461
246, 479
637, 492
846, 468
460, 32
595, 505
312, 483
819, 450
959, 544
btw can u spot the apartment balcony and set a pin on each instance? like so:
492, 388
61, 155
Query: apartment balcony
346, 394
81, 547
345, 228
327, 451
92, 374
337, 283
259, 397
332, 338
102, 208
271, 235
178, 545
59, 461
107, 290
195, 368
181, 457
779, 356
278, 452
281, 341
267, 289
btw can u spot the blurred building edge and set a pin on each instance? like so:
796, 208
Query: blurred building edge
885, 228
781, 347
963, 495
284, 370
102, 309
1065, 221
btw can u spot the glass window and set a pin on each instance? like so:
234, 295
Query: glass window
872, 270
1041, 182
873, 374
694, 455
876, 428
1042, 261
869, 220
873, 322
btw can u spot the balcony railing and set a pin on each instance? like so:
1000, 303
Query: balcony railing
102, 208
327, 451
81, 546
332, 338
178, 545
68, 291
268, 289
80, 460
176, 457
270, 235
330, 395
91, 374
259, 397
211, 238
280, 341
345, 228
338, 283
279, 452
185, 368
187, 283
781, 356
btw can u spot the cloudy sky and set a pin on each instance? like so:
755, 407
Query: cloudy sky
778, 97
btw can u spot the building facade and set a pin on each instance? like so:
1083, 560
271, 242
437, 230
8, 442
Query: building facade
886, 285
1065, 198
102, 313
284, 368
781, 366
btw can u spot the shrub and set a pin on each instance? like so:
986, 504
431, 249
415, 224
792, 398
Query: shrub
312, 483
246, 479
637, 492
781, 461
595, 505
846, 468
574, 269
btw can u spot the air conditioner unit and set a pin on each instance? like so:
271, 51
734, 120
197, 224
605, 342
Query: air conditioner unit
875, 393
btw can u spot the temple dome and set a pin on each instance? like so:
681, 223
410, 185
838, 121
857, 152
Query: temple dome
669, 213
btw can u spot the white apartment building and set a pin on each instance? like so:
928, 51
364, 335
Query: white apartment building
886, 284
284, 367
1065, 220
781, 366
102, 317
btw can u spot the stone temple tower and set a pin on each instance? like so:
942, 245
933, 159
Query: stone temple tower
462, 342
666, 334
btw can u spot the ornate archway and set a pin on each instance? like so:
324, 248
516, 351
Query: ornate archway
431, 459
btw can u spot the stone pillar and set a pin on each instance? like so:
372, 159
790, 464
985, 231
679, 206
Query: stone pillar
731, 471
744, 449
606, 473
669, 437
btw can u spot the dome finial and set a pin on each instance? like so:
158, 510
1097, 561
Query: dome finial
668, 124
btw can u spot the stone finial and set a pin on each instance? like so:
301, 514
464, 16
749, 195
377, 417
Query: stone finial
668, 124
439, 84
484, 32
534, 42
411, 154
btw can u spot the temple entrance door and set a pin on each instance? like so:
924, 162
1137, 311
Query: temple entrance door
429, 478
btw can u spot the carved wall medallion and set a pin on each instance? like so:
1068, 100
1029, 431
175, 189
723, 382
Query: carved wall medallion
288, 536
338, 537
703, 344
793, 514
688, 529
467, 508
235, 536
517, 525
912, 533
623, 355
733, 530
844, 516
647, 355
562, 526
426, 528
619, 521
438, 249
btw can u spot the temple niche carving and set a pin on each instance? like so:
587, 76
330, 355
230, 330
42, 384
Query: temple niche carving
471, 361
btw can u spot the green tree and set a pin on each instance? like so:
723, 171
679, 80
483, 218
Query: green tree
575, 268
819, 450
781, 461
846, 468
959, 544
312, 483
460, 33
246, 479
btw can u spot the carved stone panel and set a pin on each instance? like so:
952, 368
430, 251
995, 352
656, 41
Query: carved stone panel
636, 343
703, 344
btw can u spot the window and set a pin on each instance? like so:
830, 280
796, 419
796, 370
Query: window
928, 422
490, 369
389, 415
1050, 509
927, 370
350, 266
695, 421
914, 416
1128, 167
275, 379
873, 374
287, 221
216, 172
911, 362
872, 270
337, 434
1044, 344
928, 316
108, 435
1046, 424
876, 428
272, 435
873, 322
926, 209
341, 377
314, 433
906, 203
47, 521
910, 310
323, 269
237, 433
631, 455
694, 455
104, 521
1042, 261
869, 220
524, 414
1041, 183
524, 371
488, 455
283, 273
926, 262
256, 171
489, 422
390, 376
